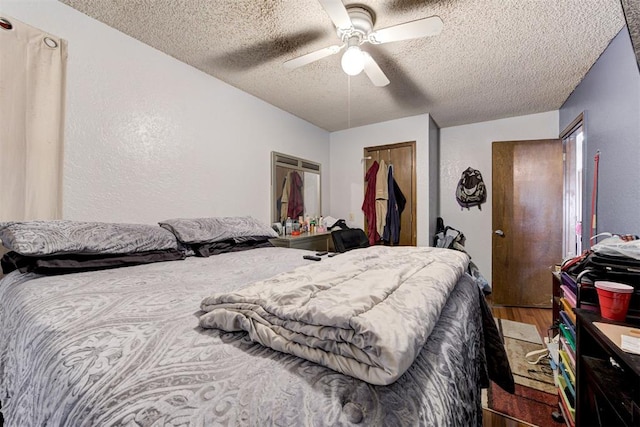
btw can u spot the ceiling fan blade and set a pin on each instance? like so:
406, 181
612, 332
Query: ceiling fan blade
312, 56
431, 26
373, 71
337, 12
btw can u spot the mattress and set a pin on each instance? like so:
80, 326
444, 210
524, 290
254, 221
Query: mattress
123, 347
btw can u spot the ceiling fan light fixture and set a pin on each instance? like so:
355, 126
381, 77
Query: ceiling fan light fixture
353, 61
354, 27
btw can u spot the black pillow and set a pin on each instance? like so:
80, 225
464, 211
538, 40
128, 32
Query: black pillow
73, 263
230, 245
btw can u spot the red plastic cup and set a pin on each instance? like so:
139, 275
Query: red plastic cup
614, 299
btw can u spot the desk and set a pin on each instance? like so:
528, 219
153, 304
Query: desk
309, 241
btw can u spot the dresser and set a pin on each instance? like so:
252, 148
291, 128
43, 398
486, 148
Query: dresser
308, 241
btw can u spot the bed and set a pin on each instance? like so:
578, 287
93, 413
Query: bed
123, 346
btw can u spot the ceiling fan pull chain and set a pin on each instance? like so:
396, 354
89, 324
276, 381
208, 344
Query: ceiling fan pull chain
348, 101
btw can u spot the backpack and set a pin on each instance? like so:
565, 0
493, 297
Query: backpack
471, 190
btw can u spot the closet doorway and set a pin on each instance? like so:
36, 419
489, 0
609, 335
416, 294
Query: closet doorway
402, 157
573, 155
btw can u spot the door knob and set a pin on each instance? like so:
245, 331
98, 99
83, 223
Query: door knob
499, 233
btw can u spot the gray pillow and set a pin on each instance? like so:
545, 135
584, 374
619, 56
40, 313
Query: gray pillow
209, 230
65, 237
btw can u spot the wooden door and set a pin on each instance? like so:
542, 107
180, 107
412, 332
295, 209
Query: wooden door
527, 220
402, 157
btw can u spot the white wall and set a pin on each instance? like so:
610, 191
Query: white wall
149, 137
470, 145
347, 167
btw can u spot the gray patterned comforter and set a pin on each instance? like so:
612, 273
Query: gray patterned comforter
366, 313
123, 348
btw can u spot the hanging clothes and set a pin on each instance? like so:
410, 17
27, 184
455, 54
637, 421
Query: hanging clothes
284, 199
400, 199
295, 207
279, 201
369, 204
392, 227
382, 197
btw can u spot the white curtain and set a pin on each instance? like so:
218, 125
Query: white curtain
32, 99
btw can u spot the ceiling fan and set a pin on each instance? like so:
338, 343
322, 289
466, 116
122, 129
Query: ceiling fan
354, 26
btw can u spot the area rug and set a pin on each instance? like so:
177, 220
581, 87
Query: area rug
520, 339
535, 397
527, 404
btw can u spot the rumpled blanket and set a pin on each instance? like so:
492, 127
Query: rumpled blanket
365, 313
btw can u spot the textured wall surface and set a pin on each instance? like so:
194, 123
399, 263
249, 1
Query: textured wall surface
149, 137
470, 145
609, 96
493, 58
347, 167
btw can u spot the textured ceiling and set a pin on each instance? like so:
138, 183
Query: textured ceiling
493, 59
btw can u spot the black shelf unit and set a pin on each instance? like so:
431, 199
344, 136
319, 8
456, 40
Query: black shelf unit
608, 379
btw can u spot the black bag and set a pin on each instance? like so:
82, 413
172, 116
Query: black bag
576, 265
339, 224
471, 190
449, 238
351, 238
590, 267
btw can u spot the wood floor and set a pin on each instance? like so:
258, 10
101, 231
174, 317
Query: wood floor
542, 319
